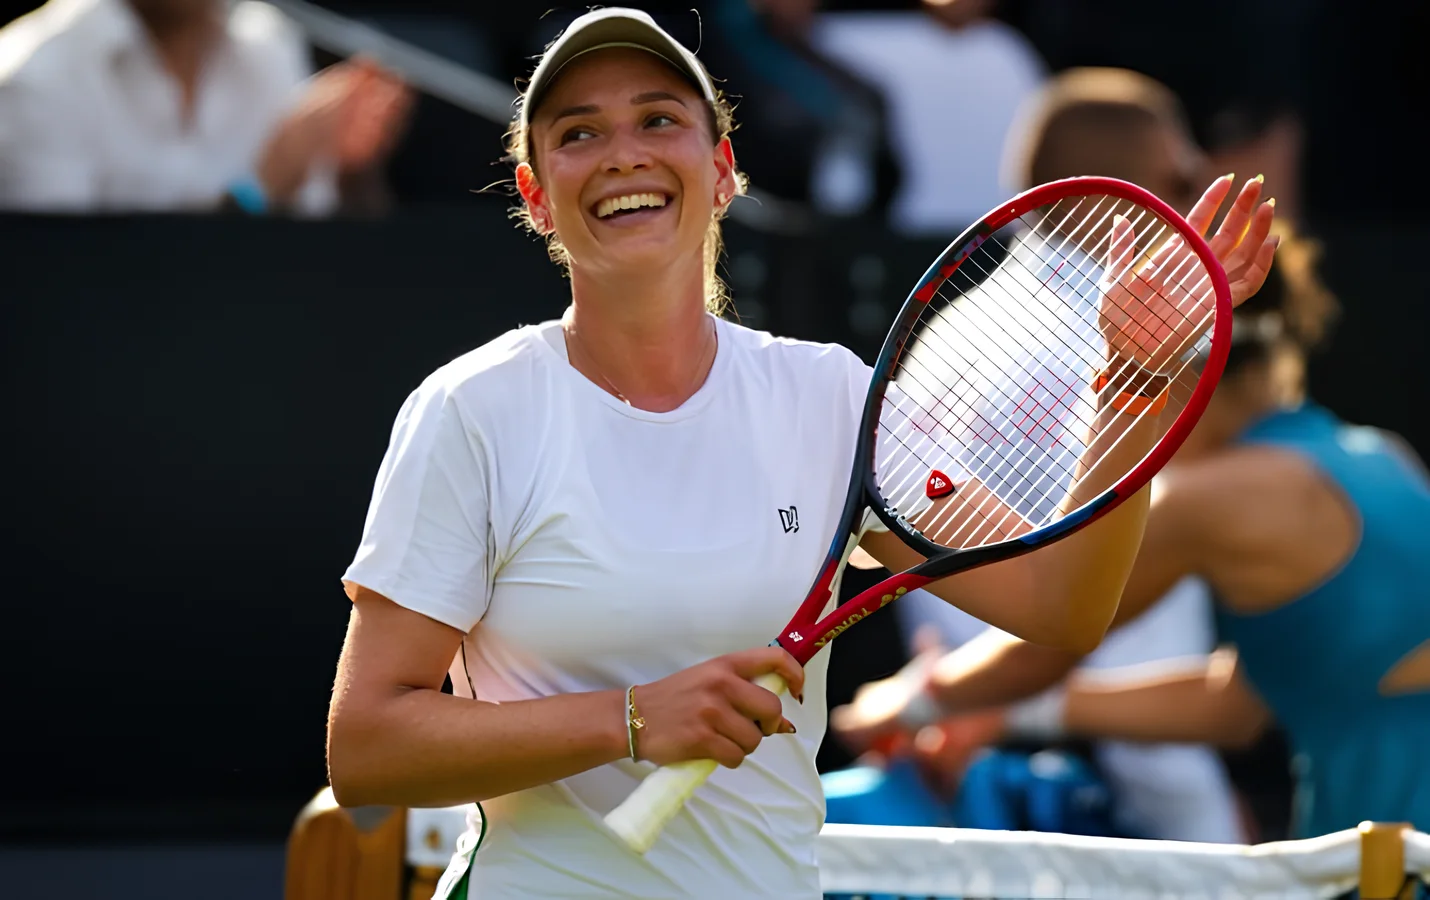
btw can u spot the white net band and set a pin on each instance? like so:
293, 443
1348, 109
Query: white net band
895, 862
955, 862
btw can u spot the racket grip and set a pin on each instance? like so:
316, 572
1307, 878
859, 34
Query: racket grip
641, 818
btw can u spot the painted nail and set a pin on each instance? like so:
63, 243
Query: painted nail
1230, 176
1271, 203
1260, 179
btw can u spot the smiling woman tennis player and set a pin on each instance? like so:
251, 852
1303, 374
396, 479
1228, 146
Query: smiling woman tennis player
557, 514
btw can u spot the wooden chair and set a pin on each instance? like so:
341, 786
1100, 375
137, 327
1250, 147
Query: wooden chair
346, 854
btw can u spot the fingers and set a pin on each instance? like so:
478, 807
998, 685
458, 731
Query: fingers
1249, 279
755, 704
1120, 248
736, 726
1256, 231
742, 727
765, 660
1204, 211
726, 752
1234, 227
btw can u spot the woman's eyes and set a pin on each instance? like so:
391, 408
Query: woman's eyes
581, 133
576, 134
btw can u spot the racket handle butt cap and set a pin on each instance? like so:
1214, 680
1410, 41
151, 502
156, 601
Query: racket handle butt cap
639, 820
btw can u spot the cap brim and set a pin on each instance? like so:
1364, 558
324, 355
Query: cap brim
615, 27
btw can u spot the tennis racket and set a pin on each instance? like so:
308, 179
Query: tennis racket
1024, 356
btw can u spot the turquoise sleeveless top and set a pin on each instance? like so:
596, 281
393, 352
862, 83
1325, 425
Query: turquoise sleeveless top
1318, 660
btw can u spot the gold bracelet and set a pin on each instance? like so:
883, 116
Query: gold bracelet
634, 720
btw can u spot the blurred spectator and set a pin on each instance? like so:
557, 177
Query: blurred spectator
1107, 122
810, 131
184, 105
952, 96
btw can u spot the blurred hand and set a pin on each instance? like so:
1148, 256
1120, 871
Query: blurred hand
1153, 312
875, 720
712, 711
351, 113
943, 751
374, 117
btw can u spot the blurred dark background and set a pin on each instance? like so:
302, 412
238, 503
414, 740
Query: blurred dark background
198, 404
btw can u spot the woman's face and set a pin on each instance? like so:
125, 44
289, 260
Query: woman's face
625, 170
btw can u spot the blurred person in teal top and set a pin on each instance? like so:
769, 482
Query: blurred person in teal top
1314, 536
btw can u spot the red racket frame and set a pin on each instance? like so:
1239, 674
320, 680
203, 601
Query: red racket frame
807, 632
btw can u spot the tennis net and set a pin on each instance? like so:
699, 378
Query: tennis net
402, 854
888, 862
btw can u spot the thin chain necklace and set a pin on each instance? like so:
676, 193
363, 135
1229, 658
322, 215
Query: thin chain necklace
573, 338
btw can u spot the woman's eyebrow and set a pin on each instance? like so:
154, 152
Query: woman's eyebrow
637, 100
653, 96
575, 111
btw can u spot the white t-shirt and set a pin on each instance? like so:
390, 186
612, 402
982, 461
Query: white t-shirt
586, 545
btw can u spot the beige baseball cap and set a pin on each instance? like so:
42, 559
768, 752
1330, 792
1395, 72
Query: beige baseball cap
614, 26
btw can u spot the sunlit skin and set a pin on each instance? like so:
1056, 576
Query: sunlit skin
618, 122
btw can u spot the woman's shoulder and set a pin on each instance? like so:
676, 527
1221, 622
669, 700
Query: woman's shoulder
506, 361
1244, 483
484, 386
793, 356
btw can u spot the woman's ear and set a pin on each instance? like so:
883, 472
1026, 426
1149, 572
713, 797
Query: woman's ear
726, 183
535, 198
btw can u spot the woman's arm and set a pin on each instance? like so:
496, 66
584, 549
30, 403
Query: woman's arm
395, 739
1231, 520
1065, 595
1211, 704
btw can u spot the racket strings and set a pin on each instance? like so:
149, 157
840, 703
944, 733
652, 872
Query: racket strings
1033, 310
1063, 258
1000, 528
1009, 354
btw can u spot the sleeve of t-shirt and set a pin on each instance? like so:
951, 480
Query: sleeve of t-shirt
426, 544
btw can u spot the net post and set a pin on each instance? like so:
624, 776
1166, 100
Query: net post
1382, 860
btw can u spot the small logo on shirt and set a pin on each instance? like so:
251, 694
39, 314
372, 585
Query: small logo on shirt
789, 518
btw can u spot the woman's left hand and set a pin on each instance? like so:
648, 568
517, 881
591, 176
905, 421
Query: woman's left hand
1153, 312
1243, 244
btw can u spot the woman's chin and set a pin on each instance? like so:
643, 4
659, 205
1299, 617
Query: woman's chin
644, 253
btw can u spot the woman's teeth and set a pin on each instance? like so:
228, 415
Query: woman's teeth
613, 205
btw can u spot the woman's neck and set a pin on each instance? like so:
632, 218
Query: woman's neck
648, 340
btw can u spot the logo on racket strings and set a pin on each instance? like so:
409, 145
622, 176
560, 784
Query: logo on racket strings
789, 519
939, 485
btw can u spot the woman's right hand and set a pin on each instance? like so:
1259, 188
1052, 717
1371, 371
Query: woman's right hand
713, 711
